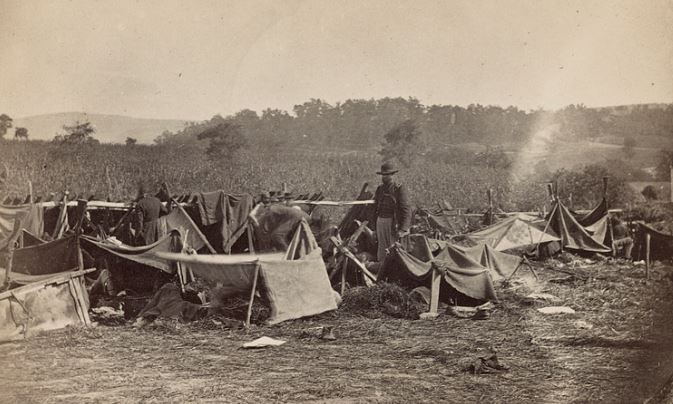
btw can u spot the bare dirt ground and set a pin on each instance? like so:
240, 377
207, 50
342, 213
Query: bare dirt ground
616, 348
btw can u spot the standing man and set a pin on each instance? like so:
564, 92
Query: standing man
148, 210
392, 212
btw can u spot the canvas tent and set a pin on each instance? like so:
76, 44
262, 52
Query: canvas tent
52, 303
573, 235
414, 265
295, 282
513, 232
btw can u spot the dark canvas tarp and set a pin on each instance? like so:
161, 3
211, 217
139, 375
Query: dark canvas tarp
28, 239
31, 216
459, 270
661, 244
573, 235
226, 213
596, 222
50, 258
502, 265
514, 232
295, 287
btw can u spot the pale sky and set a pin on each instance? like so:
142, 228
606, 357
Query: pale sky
194, 59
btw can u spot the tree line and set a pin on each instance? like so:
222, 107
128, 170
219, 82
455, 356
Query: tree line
357, 124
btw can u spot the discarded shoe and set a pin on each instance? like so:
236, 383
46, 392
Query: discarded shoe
481, 315
328, 334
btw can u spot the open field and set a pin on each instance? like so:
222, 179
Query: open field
616, 348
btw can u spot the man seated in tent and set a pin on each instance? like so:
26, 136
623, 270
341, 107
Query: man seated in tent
148, 210
622, 237
275, 223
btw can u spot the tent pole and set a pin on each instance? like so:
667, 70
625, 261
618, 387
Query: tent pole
196, 228
58, 230
252, 296
551, 215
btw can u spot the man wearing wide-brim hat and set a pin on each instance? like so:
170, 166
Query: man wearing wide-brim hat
392, 211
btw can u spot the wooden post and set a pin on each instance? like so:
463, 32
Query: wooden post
62, 218
30, 192
647, 256
605, 187
252, 296
434, 296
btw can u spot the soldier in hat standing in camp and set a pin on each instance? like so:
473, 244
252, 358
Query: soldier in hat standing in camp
147, 211
392, 211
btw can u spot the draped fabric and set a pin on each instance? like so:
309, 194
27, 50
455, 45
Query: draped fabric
513, 232
227, 213
413, 267
573, 235
295, 281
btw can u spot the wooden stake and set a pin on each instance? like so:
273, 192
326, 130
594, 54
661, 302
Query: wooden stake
30, 192
252, 296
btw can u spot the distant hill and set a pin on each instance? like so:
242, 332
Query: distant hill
109, 128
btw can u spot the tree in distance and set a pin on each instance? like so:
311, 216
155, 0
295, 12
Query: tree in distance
131, 141
650, 193
226, 139
402, 143
21, 133
79, 133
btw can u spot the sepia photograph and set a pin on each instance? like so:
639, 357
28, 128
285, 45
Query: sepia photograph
313, 201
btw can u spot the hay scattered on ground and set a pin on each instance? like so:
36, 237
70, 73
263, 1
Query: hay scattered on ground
382, 299
236, 307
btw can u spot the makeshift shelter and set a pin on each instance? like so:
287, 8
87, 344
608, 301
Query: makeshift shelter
501, 265
52, 303
597, 222
295, 283
415, 264
573, 235
136, 268
661, 244
511, 233
38, 262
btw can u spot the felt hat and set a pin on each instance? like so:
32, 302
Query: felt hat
387, 169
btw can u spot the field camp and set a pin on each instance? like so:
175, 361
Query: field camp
336, 202
302, 270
